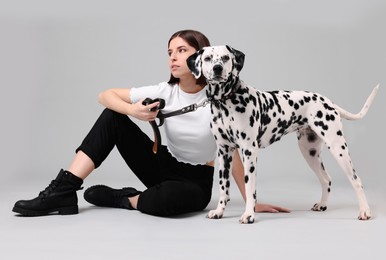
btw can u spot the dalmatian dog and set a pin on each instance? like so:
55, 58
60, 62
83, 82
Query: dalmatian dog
247, 119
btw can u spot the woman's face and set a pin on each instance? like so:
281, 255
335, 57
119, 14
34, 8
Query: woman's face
179, 50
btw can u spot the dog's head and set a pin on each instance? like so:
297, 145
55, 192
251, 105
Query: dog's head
216, 63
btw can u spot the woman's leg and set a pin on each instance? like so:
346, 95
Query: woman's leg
186, 188
109, 130
172, 198
114, 129
82, 165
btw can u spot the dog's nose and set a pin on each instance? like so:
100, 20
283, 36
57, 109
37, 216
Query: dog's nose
217, 69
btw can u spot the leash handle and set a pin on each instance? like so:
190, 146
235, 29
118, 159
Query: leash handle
154, 126
149, 101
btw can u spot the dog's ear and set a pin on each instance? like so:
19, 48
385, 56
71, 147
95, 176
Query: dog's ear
238, 61
194, 63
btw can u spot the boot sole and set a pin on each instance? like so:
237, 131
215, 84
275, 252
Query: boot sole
61, 211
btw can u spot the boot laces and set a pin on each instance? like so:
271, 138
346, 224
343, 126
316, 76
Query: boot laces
50, 188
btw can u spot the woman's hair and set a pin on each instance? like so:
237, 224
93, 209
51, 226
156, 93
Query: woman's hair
195, 39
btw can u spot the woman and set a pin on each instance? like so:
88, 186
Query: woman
178, 178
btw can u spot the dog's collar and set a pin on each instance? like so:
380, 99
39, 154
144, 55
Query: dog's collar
237, 84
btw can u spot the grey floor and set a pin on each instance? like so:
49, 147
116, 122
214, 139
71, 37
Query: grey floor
101, 233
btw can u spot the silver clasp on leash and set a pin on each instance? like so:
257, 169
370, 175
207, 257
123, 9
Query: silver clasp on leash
203, 103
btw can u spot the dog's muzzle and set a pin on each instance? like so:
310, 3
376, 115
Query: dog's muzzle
217, 70
217, 73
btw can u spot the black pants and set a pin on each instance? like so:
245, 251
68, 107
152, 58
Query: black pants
172, 187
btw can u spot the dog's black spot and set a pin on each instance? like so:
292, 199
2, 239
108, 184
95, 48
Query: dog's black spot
273, 139
319, 114
339, 133
330, 117
220, 175
251, 121
253, 99
311, 137
321, 124
312, 152
235, 101
240, 109
265, 119
252, 169
246, 179
327, 106
226, 111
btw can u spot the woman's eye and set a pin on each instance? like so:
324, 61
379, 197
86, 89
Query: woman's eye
182, 50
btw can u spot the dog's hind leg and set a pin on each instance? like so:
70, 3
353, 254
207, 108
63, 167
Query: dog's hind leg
337, 145
225, 158
311, 145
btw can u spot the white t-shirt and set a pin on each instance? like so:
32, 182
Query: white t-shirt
189, 138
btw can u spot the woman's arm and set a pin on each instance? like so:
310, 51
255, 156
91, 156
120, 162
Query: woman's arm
119, 100
238, 175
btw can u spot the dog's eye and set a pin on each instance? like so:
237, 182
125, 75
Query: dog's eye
225, 58
208, 58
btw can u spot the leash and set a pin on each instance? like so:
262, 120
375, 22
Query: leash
161, 116
191, 108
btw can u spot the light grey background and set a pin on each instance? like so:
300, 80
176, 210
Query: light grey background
56, 56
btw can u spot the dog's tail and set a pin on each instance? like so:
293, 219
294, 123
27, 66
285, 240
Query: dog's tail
349, 116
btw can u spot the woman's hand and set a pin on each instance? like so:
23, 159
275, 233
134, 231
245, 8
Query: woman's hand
119, 100
144, 112
259, 207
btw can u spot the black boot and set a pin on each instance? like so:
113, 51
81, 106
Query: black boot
60, 196
103, 196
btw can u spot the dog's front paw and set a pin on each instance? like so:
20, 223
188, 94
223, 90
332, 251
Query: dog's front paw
215, 214
247, 218
319, 207
364, 214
